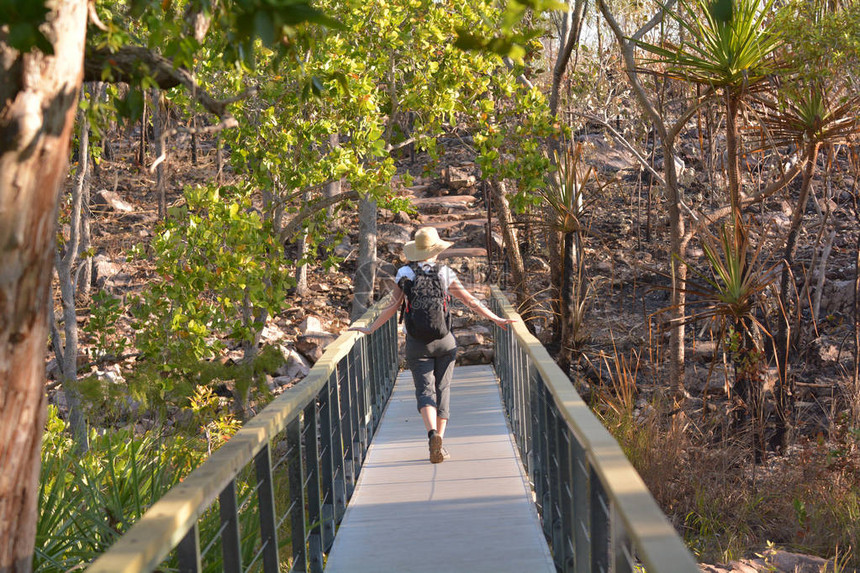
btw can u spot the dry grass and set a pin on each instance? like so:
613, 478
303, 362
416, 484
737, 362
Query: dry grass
726, 507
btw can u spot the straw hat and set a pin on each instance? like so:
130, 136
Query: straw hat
425, 245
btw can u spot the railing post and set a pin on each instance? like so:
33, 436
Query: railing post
366, 389
622, 554
296, 474
231, 549
599, 526
581, 513
376, 383
559, 478
347, 428
337, 449
524, 406
327, 474
353, 385
188, 552
266, 507
315, 512
568, 524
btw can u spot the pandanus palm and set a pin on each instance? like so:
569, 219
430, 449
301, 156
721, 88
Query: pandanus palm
563, 197
807, 114
728, 293
728, 45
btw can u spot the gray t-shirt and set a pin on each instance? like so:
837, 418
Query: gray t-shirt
414, 348
447, 275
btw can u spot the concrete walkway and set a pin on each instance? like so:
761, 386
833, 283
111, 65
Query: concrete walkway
471, 513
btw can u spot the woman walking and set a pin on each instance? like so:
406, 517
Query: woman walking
426, 287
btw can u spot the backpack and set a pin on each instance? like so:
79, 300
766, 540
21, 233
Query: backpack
426, 308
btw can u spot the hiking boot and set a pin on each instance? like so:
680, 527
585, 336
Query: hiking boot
445, 455
436, 448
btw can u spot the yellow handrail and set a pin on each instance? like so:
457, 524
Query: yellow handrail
164, 525
656, 542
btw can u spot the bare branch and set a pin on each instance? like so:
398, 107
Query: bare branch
227, 122
750, 200
389, 148
94, 16
308, 209
130, 63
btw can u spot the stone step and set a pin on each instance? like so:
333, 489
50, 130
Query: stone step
443, 204
449, 223
462, 252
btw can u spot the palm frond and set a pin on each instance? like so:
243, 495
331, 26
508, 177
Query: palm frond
720, 51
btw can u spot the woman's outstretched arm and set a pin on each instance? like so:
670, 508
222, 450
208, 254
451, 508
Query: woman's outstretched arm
387, 312
458, 290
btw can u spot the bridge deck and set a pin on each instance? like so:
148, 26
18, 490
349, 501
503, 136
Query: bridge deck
472, 513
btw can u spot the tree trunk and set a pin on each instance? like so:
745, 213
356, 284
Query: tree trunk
512, 247
301, 265
567, 40
733, 164
332, 188
365, 274
556, 272
678, 236
38, 96
785, 386
159, 124
67, 273
141, 153
678, 246
572, 273
855, 395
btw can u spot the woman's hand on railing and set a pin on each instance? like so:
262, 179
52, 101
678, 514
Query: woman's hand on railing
503, 322
361, 329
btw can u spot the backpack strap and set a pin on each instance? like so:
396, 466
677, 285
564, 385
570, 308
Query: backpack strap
404, 306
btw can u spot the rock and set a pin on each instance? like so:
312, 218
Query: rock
402, 218
838, 296
312, 345
111, 201
392, 232
61, 401
534, 263
741, 567
704, 351
774, 561
393, 237
829, 351
279, 381
311, 324
796, 563
110, 374
295, 365
52, 370
272, 332
458, 177
343, 249
616, 160
470, 339
475, 356
103, 270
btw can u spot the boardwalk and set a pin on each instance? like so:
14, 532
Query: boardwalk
472, 513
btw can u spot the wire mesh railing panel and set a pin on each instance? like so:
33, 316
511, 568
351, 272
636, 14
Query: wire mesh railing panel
281, 483
596, 512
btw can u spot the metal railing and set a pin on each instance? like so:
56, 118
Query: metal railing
597, 514
317, 432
